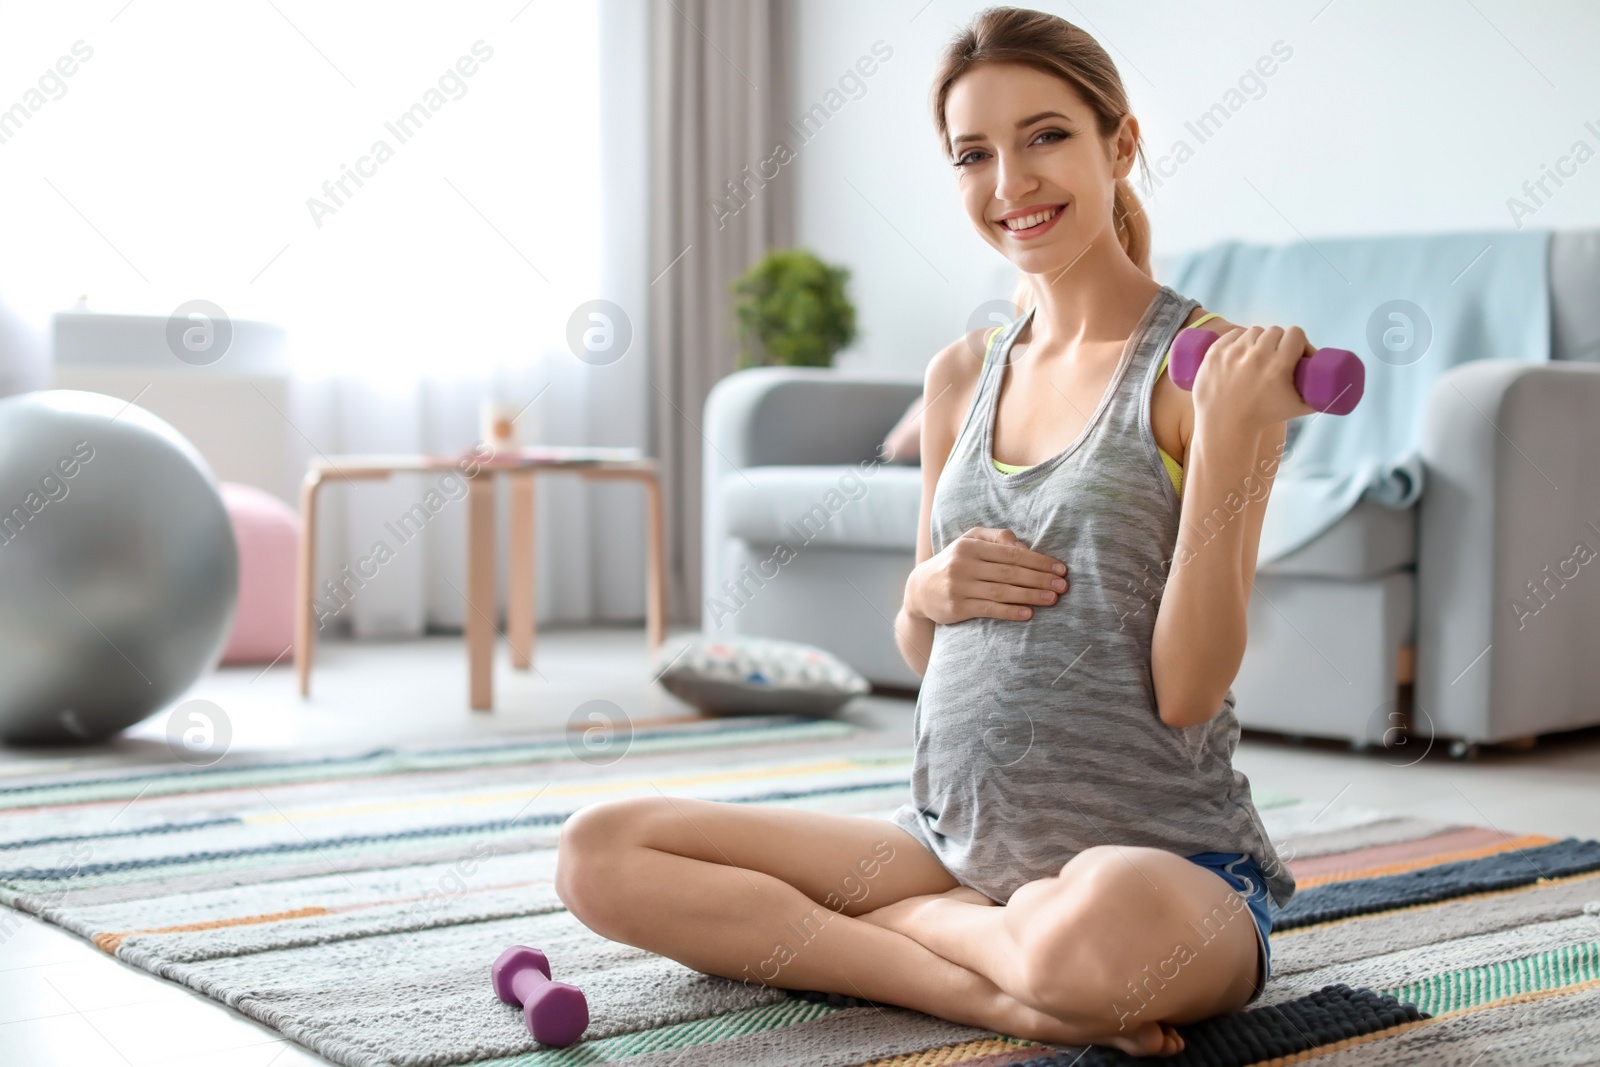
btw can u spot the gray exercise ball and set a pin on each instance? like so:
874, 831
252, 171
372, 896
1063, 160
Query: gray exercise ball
118, 569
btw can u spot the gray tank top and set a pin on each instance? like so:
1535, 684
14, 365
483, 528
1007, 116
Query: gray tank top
1038, 739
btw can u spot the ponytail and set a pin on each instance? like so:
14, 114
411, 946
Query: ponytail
1133, 226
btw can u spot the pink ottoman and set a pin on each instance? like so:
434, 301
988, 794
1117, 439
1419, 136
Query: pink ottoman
268, 532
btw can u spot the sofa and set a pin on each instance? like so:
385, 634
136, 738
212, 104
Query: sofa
1471, 618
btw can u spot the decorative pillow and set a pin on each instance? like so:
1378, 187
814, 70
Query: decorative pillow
757, 676
904, 442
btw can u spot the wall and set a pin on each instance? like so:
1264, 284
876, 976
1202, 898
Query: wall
1416, 117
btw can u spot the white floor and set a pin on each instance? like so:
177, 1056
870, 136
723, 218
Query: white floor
64, 1002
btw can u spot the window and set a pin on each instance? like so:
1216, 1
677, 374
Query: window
408, 190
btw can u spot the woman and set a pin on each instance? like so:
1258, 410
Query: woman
1079, 861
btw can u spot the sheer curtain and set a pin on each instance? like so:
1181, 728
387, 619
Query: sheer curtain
423, 196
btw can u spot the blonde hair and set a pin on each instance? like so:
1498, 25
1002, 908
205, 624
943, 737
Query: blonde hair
1055, 46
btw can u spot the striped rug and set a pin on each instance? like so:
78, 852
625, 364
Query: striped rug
354, 902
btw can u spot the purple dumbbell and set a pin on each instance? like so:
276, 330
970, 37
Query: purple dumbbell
1330, 379
556, 1013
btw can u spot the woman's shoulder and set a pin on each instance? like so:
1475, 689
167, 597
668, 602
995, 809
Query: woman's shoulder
964, 356
1207, 320
958, 365
950, 380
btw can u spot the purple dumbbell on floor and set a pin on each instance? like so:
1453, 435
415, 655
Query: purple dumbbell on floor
556, 1013
1330, 379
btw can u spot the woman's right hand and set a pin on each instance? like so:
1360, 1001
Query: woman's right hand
984, 574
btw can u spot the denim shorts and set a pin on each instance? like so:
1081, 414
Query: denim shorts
1244, 874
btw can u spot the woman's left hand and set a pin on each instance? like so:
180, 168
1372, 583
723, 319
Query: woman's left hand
1247, 377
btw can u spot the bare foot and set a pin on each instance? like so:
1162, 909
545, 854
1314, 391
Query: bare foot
1151, 1039
1148, 1039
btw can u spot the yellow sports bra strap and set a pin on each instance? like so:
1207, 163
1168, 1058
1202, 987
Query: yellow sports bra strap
990, 342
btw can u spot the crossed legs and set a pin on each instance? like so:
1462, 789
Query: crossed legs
1121, 945
845, 904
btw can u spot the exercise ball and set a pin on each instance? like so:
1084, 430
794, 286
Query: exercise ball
118, 569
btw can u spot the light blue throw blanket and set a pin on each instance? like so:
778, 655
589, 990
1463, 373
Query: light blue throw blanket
1411, 307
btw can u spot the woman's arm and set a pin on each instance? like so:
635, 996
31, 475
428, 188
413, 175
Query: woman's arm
984, 573
1239, 421
947, 387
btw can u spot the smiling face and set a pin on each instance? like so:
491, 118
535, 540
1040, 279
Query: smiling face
1027, 152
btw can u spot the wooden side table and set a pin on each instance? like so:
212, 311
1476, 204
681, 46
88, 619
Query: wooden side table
478, 471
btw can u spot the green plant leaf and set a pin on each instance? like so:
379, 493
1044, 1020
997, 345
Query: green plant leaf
792, 310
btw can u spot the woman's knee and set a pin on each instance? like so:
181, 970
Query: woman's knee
592, 853
1076, 956
1125, 928
1131, 863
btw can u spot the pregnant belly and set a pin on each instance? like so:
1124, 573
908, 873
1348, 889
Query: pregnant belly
979, 699
1008, 695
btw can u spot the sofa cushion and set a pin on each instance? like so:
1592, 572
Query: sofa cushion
1574, 280
1370, 540
870, 505
877, 507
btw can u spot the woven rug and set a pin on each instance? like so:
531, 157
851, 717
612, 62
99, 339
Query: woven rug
354, 903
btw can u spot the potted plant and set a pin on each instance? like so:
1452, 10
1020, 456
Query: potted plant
792, 311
